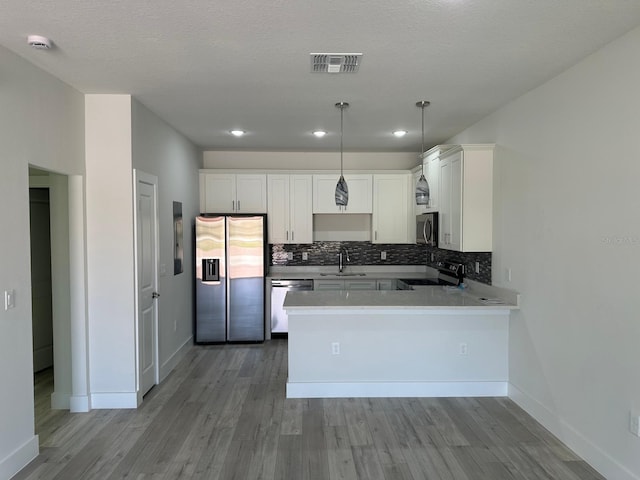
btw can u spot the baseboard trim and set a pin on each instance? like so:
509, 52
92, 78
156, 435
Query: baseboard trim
114, 400
607, 466
173, 360
19, 458
60, 401
79, 403
396, 389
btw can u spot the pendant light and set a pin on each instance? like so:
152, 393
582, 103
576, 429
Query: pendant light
422, 187
342, 191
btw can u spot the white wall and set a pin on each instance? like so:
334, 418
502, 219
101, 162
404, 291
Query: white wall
110, 259
42, 124
161, 151
567, 222
311, 160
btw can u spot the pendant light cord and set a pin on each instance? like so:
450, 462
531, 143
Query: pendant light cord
422, 104
341, 106
341, 134
422, 149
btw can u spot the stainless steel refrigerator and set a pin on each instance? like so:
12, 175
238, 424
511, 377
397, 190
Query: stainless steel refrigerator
230, 278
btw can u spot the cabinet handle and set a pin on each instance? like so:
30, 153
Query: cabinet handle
375, 235
238, 205
292, 235
233, 205
287, 233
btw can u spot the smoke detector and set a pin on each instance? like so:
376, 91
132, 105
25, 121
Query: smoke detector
39, 42
335, 62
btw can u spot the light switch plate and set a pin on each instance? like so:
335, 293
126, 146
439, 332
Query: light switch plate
305, 256
9, 299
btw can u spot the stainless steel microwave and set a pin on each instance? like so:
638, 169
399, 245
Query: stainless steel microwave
427, 229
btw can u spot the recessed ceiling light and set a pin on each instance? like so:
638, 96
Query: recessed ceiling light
237, 133
400, 133
39, 42
319, 133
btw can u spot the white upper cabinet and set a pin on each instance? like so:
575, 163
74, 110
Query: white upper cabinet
233, 193
290, 215
466, 199
360, 193
392, 213
431, 165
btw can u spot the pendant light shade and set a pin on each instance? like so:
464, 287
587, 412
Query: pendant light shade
422, 186
342, 190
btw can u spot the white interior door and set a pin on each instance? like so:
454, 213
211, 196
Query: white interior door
147, 279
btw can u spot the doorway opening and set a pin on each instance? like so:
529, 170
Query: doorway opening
50, 290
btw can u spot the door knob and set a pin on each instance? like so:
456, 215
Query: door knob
155, 295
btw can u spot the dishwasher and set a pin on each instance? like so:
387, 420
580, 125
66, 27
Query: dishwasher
279, 288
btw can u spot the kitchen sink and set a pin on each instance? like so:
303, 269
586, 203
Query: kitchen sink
342, 274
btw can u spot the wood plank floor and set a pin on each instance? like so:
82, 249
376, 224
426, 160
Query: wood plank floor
222, 414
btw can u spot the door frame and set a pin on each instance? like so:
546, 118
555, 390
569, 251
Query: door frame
139, 176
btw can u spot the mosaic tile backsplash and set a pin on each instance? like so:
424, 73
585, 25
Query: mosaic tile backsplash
366, 253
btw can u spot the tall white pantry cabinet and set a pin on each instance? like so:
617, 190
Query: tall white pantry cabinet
466, 199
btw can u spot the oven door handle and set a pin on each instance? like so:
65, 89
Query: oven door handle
424, 231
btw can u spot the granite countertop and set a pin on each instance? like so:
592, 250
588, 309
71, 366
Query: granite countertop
434, 297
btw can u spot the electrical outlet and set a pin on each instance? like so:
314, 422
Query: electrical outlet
634, 423
289, 255
383, 255
9, 299
305, 256
464, 350
477, 267
335, 348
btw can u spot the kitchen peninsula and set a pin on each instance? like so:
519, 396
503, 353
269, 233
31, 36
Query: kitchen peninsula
436, 341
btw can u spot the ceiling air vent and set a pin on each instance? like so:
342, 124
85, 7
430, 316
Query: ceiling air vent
335, 62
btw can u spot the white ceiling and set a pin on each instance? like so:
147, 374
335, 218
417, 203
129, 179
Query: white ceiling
208, 66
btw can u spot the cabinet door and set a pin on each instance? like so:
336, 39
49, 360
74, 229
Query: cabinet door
328, 284
360, 284
455, 237
433, 171
450, 216
219, 193
324, 189
391, 213
251, 193
300, 209
278, 208
444, 216
360, 193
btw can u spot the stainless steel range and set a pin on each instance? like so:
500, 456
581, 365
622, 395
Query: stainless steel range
449, 274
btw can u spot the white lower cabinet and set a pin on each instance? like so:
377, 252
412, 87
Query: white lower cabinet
392, 213
466, 199
355, 284
289, 208
328, 284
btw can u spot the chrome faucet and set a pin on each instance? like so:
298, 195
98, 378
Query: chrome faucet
344, 252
